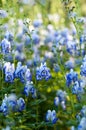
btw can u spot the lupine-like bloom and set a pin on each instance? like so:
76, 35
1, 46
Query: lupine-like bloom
78, 87
20, 72
21, 104
43, 72
83, 67
51, 116
5, 46
8, 104
28, 75
9, 72
11, 104
29, 89
60, 99
71, 77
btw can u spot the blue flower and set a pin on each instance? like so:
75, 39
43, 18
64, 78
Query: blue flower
43, 72
3, 14
29, 89
37, 23
60, 99
78, 88
56, 101
20, 72
21, 104
5, 46
4, 108
71, 77
9, 72
9, 77
35, 38
9, 36
11, 104
28, 75
51, 116
61, 95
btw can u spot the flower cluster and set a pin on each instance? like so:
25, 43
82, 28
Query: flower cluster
78, 88
11, 104
51, 116
5, 46
29, 89
22, 72
71, 77
43, 72
9, 72
60, 99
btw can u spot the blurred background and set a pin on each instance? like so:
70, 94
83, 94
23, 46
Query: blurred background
51, 11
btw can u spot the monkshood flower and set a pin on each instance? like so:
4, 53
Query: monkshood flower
11, 104
60, 99
5, 46
28, 76
82, 124
21, 104
71, 77
8, 104
83, 67
20, 72
9, 72
29, 89
78, 88
43, 72
51, 116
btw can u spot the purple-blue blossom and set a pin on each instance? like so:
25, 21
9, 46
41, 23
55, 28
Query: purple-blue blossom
78, 87
9, 72
71, 77
30, 89
5, 46
51, 116
43, 72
